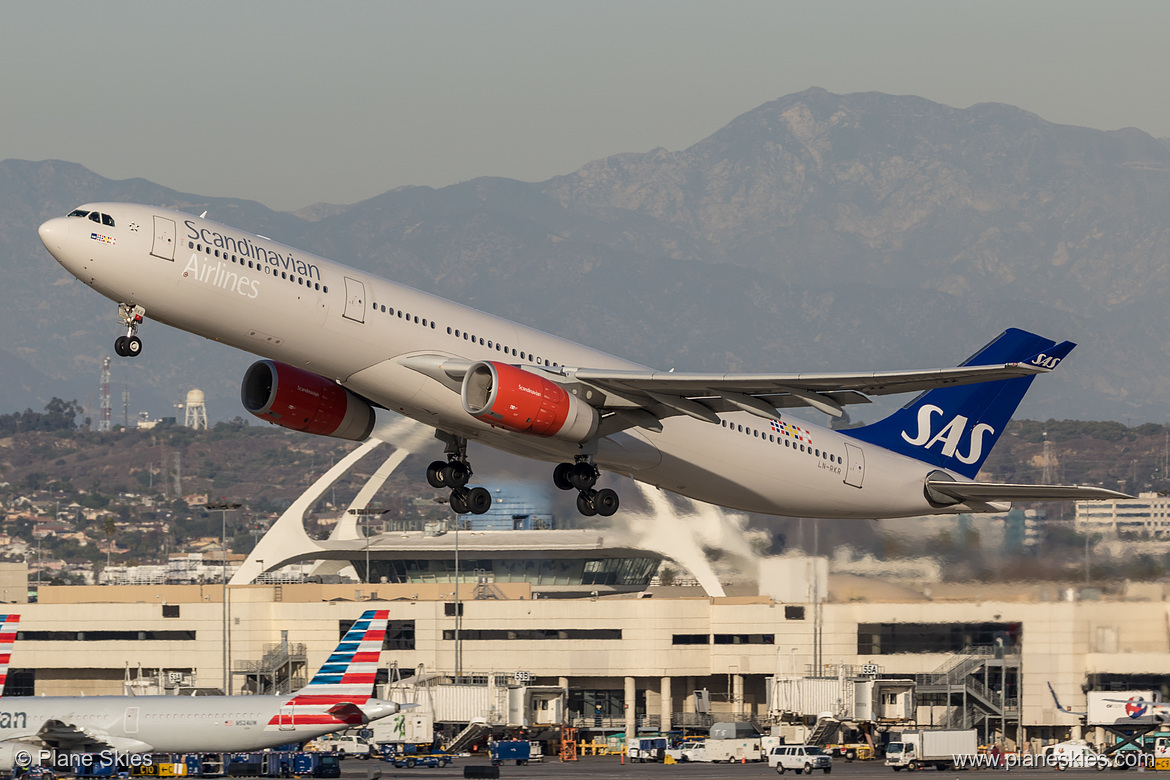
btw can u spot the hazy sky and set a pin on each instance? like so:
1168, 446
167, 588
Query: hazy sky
292, 103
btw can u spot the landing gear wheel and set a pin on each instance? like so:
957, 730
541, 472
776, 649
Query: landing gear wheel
479, 500
459, 502
133, 346
585, 503
605, 501
456, 474
561, 476
582, 475
435, 474
120, 346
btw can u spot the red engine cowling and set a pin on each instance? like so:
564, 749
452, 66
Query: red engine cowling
298, 399
509, 397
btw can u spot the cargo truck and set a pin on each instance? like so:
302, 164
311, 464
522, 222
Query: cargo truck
937, 748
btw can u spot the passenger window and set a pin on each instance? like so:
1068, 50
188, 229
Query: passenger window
416, 319
522, 356
740, 427
383, 309
424, 322
481, 342
316, 286
448, 331
489, 344
325, 288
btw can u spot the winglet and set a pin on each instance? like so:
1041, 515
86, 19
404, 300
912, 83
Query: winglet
1066, 710
1050, 358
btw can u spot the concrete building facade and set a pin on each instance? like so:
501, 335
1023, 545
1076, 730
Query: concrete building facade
656, 649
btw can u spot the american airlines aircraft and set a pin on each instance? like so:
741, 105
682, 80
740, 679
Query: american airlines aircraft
337, 698
340, 345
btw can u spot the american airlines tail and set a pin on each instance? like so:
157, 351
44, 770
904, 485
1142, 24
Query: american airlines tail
956, 427
345, 681
8, 625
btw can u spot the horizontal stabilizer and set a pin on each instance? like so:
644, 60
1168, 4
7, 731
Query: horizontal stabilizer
999, 491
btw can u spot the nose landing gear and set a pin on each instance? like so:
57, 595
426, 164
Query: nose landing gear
455, 474
581, 475
129, 345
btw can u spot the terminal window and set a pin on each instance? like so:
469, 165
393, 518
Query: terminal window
534, 633
890, 638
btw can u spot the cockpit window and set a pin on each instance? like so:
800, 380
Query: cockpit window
95, 217
79, 213
107, 220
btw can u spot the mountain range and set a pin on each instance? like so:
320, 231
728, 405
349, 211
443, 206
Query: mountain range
815, 232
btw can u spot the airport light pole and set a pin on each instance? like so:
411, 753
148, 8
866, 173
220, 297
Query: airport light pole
224, 506
368, 512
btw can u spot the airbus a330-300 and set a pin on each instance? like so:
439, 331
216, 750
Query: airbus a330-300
340, 345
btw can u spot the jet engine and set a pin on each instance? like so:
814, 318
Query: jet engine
23, 754
509, 397
301, 400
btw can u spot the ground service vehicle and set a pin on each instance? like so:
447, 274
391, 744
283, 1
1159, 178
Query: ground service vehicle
695, 751
1075, 755
800, 758
342, 744
937, 748
645, 749
516, 750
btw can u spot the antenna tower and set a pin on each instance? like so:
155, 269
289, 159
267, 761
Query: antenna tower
104, 404
1047, 477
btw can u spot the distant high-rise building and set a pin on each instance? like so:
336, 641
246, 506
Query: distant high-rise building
196, 411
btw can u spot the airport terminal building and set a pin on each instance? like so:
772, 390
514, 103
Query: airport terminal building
981, 659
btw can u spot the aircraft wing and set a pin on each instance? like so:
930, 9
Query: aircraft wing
1000, 491
64, 735
663, 394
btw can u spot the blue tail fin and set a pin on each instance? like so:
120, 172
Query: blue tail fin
956, 427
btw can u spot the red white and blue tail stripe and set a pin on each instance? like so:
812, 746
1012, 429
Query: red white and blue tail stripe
8, 624
345, 681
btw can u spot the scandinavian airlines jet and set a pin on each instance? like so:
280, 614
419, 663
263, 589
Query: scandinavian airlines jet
339, 344
337, 698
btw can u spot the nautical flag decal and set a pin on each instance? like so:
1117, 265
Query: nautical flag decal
792, 431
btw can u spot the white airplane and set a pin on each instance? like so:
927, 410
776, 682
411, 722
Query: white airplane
341, 344
337, 698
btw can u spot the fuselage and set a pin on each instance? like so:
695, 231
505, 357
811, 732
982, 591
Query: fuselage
174, 723
355, 328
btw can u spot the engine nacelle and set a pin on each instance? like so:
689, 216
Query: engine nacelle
509, 397
22, 754
303, 401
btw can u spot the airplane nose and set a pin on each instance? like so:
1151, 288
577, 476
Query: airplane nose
53, 233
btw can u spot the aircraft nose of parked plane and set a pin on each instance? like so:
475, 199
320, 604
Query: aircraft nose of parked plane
53, 234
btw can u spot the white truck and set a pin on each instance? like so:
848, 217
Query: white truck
342, 744
686, 752
734, 743
936, 747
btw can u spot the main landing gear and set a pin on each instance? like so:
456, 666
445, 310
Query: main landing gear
455, 474
129, 345
581, 475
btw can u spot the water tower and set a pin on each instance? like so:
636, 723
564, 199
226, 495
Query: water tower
196, 410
